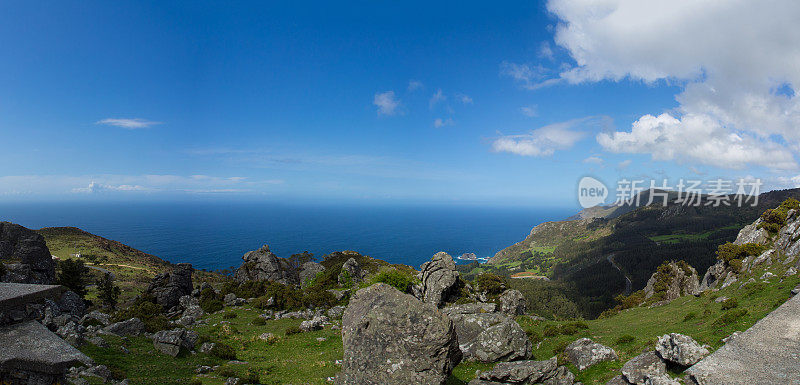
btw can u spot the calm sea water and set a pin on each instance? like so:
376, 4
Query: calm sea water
216, 235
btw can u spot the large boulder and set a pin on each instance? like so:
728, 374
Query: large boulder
351, 273
672, 280
170, 342
168, 288
680, 349
585, 353
393, 338
526, 372
643, 367
309, 271
25, 255
513, 303
439, 278
752, 234
264, 265
131, 327
490, 337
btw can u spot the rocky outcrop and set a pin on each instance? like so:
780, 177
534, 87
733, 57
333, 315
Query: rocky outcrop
315, 323
351, 273
526, 372
439, 279
513, 303
680, 349
168, 288
672, 280
25, 256
264, 265
584, 353
504, 340
170, 342
393, 338
752, 234
131, 327
642, 368
309, 271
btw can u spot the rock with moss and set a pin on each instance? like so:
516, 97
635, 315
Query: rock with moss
308, 272
584, 353
513, 303
391, 337
526, 372
672, 280
24, 256
680, 349
439, 277
351, 273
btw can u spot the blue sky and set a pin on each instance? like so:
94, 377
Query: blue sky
440, 102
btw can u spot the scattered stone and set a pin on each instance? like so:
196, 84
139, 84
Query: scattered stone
640, 368
168, 288
721, 299
525, 372
790, 272
233, 381
767, 276
202, 369
131, 327
231, 300
439, 278
796, 290
336, 312
393, 338
102, 318
72, 303
99, 342
513, 303
315, 323
72, 332
170, 342
585, 353
264, 265
469, 308
680, 349
321, 339
338, 294
661, 380
206, 347
491, 337
618, 380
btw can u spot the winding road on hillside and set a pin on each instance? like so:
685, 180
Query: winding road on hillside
628, 282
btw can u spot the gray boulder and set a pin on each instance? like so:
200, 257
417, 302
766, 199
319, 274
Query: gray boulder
513, 303
168, 288
264, 265
680, 349
752, 234
585, 353
131, 327
393, 338
351, 273
309, 271
661, 380
170, 342
25, 255
72, 303
72, 332
526, 372
336, 312
644, 366
439, 279
469, 308
96, 316
618, 380
315, 323
490, 337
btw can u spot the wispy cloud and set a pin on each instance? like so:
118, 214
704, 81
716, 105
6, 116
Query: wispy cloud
439, 122
386, 102
464, 99
594, 160
530, 111
545, 141
414, 85
436, 98
130, 124
527, 76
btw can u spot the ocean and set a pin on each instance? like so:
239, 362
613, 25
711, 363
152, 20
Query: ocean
215, 235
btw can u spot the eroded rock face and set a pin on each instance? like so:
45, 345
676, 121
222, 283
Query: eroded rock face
309, 271
351, 273
26, 256
393, 338
680, 349
752, 234
488, 337
513, 303
439, 278
585, 353
679, 279
168, 288
526, 372
264, 265
642, 367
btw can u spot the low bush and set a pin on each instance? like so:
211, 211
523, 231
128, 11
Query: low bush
145, 309
626, 339
258, 321
230, 315
490, 283
293, 330
689, 316
730, 317
729, 303
223, 351
394, 278
733, 254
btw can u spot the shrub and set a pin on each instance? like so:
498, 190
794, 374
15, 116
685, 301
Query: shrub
492, 284
210, 301
626, 339
733, 254
533, 336
293, 330
230, 315
689, 316
72, 274
730, 317
560, 347
729, 303
258, 321
117, 373
551, 331
146, 310
225, 371
250, 377
223, 351
107, 291
394, 278
635, 299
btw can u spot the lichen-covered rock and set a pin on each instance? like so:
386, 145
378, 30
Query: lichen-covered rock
680, 349
672, 280
264, 265
309, 271
752, 234
351, 273
644, 366
336, 312
25, 255
469, 308
393, 338
168, 288
131, 327
584, 353
526, 372
170, 342
439, 278
513, 303
315, 323
72, 303
488, 337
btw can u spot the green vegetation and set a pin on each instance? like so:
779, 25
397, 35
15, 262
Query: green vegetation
396, 278
734, 254
146, 310
107, 292
72, 274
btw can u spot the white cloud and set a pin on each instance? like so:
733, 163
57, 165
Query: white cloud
545, 51
386, 102
527, 76
439, 122
593, 160
530, 111
437, 97
414, 85
130, 124
464, 99
737, 63
94, 188
546, 140
696, 138
624, 164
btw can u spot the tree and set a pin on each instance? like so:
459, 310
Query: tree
107, 291
297, 260
73, 275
